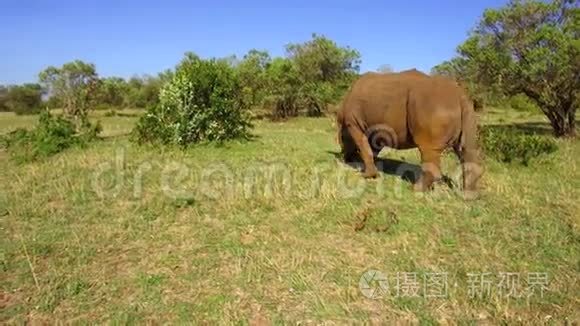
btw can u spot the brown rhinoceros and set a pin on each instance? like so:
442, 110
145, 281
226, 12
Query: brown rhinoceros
407, 110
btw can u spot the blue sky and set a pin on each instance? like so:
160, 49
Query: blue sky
129, 37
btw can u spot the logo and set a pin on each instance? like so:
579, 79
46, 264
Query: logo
382, 136
373, 284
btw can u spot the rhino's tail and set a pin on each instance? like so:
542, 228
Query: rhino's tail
469, 147
468, 142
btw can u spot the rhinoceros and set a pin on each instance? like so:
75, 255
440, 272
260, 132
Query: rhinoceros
407, 110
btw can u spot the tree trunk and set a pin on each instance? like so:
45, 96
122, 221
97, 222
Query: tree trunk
564, 124
572, 122
562, 117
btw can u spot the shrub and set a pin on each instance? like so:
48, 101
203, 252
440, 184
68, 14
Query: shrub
523, 103
202, 103
51, 136
508, 145
23, 99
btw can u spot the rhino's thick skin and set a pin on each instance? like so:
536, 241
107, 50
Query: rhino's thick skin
410, 110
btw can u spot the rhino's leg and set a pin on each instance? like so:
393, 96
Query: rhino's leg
365, 151
431, 168
471, 169
349, 150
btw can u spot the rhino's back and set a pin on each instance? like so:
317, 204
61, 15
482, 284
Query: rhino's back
434, 111
378, 100
374, 95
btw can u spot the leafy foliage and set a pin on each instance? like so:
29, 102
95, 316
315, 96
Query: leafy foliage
52, 135
3, 98
76, 85
530, 47
311, 75
461, 70
292, 95
252, 72
136, 92
112, 92
203, 102
521, 102
314, 74
21, 99
512, 145
143, 92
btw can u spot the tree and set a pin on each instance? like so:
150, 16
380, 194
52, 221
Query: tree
76, 85
143, 92
202, 103
3, 98
314, 74
165, 76
284, 82
531, 47
463, 71
386, 68
322, 60
112, 91
452, 68
149, 94
133, 97
23, 99
252, 73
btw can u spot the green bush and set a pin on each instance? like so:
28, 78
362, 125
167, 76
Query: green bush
51, 136
511, 145
202, 103
523, 103
22, 99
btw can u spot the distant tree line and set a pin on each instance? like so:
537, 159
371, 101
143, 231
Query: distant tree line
58, 89
26, 98
310, 76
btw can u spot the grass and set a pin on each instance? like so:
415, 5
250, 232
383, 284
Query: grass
277, 231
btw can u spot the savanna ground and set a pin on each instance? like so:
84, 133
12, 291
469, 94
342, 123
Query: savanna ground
277, 230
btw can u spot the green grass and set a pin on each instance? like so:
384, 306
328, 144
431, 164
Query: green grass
119, 233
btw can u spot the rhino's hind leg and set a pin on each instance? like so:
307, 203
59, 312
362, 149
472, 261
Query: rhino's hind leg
430, 167
365, 151
471, 170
